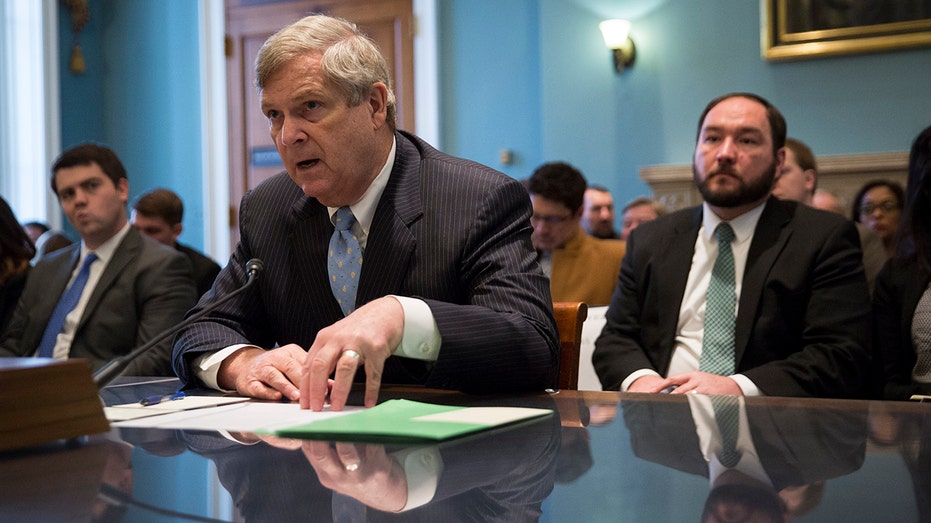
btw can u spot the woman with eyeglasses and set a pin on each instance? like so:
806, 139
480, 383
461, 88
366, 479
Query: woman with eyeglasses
902, 298
878, 205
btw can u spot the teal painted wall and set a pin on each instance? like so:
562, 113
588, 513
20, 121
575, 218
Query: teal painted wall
612, 125
489, 82
529, 76
140, 95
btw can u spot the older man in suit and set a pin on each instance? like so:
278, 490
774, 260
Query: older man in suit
438, 284
772, 302
111, 292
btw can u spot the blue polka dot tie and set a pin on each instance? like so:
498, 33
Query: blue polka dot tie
69, 299
717, 352
344, 261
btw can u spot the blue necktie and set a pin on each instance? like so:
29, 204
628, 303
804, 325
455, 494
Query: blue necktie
344, 262
717, 352
65, 305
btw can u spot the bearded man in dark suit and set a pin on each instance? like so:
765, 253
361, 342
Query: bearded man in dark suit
449, 293
800, 311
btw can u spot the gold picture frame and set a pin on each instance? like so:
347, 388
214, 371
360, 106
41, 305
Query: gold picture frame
802, 29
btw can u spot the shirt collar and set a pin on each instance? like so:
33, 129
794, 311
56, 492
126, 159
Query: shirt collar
107, 248
743, 225
364, 209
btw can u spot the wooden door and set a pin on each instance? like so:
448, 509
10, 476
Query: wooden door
253, 157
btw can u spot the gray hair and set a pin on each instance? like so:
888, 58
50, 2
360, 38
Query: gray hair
349, 58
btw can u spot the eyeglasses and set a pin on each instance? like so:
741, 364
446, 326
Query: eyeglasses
886, 207
552, 220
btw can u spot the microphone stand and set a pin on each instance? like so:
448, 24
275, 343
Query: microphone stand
115, 367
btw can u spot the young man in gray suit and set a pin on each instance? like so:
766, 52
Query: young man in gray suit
448, 292
797, 319
132, 289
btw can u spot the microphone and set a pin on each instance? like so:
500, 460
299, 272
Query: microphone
116, 366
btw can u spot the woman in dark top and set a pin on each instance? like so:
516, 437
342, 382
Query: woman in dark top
16, 249
902, 299
878, 205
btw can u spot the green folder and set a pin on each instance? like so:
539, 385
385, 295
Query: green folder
405, 421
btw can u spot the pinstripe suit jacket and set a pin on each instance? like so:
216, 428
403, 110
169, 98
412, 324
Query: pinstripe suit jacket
145, 289
446, 230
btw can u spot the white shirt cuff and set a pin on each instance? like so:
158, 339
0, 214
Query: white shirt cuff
421, 339
422, 467
747, 386
637, 374
207, 365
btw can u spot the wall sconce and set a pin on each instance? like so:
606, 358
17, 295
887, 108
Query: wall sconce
616, 34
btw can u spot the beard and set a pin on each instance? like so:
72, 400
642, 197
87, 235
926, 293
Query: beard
745, 193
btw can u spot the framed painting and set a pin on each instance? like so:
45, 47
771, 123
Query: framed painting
800, 29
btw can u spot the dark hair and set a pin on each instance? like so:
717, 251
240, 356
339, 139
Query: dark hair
88, 154
162, 203
896, 189
560, 182
658, 208
915, 226
777, 123
38, 225
16, 249
761, 501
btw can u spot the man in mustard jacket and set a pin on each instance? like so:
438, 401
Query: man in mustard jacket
580, 267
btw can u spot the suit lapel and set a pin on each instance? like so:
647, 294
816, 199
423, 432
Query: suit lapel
769, 238
309, 241
391, 244
125, 252
673, 265
60, 274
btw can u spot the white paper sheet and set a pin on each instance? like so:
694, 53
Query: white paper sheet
244, 416
127, 411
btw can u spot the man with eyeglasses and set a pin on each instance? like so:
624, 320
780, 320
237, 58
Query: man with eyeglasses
580, 267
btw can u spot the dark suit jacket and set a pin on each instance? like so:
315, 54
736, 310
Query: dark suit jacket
899, 287
795, 446
205, 269
446, 230
803, 322
10, 291
145, 289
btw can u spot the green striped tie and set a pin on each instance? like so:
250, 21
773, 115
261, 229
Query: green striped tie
727, 415
717, 352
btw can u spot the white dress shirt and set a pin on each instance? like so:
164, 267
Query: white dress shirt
710, 439
104, 254
690, 329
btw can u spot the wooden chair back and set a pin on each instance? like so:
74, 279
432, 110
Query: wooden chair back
569, 319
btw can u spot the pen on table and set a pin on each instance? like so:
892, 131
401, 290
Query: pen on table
155, 400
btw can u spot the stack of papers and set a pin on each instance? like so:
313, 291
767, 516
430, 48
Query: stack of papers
394, 421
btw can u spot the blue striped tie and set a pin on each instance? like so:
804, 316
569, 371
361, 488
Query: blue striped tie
65, 305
